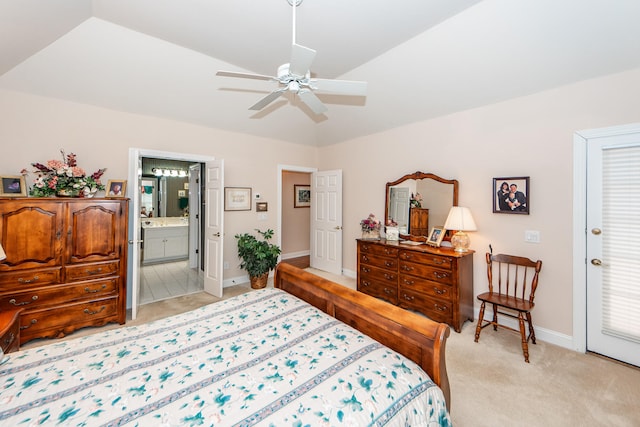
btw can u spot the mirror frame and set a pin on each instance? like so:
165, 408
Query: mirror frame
418, 175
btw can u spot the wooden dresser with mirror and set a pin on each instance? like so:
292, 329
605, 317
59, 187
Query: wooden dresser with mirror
435, 281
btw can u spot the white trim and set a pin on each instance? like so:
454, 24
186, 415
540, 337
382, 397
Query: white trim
294, 254
542, 334
580, 141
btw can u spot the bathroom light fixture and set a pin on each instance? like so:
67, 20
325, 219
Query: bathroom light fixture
169, 172
460, 220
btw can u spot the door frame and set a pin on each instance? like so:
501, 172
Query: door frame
289, 168
580, 141
133, 259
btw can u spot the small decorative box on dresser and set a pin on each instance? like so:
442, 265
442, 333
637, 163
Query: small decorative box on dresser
436, 282
66, 264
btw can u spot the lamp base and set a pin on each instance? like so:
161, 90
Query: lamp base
460, 242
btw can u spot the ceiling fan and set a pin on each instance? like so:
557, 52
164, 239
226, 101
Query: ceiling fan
296, 77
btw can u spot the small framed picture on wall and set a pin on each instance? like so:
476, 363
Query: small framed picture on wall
301, 196
237, 198
511, 195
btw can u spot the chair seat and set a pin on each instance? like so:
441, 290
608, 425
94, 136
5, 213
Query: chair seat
506, 301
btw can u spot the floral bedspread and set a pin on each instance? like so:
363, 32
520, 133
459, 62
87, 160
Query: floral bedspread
263, 358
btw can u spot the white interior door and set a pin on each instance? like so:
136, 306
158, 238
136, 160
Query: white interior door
194, 216
613, 247
213, 228
326, 221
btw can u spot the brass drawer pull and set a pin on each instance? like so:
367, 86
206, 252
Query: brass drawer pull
407, 268
408, 297
439, 275
407, 256
365, 283
365, 258
12, 301
439, 261
21, 280
408, 282
33, 322
87, 311
388, 291
389, 276
98, 271
439, 291
93, 291
440, 307
389, 264
366, 269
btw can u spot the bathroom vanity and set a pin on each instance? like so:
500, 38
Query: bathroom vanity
165, 239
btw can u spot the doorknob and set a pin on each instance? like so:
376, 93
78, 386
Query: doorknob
337, 227
131, 242
216, 234
596, 262
596, 231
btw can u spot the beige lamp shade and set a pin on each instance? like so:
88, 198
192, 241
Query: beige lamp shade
2, 254
460, 220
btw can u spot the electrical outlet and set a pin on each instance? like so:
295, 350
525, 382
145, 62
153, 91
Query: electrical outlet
262, 216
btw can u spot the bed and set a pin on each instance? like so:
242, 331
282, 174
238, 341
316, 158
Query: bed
264, 358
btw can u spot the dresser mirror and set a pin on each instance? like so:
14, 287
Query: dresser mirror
433, 197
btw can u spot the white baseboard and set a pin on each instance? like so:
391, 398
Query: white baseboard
349, 273
542, 334
295, 254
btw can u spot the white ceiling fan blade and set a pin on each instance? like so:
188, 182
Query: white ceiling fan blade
343, 87
301, 60
267, 100
245, 75
312, 101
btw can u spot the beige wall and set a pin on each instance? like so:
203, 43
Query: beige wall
530, 136
296, 225
35, 128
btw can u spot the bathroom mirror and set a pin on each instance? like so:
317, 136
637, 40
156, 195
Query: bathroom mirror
432, 199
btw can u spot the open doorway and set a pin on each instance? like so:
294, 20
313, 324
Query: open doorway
295, 213
169, 254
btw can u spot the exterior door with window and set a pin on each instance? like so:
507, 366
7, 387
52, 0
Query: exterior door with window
613, 246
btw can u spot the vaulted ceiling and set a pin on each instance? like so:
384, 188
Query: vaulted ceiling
421, 58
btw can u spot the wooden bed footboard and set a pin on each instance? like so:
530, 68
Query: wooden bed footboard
416, 337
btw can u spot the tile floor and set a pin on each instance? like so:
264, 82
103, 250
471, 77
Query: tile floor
168, 280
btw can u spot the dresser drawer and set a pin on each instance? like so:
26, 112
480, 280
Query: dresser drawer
379, 261
439, 261
379, 274
59, 294
426, 272
433, 308
63, 319
90, 271
435, 289
379, 289
374, 249
10, 330
15, 281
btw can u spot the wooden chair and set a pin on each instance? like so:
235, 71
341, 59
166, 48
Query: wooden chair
517, 280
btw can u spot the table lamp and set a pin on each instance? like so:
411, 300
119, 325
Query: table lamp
460, 220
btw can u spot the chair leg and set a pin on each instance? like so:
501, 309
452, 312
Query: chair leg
480, 319
495, 317
525, 346
532, 333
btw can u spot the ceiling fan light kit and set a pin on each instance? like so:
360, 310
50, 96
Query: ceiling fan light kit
295, 77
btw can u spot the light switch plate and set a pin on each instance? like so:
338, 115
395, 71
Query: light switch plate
532, 236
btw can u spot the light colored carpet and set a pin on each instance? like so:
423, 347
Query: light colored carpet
491, 385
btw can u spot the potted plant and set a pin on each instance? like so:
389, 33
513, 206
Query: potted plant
258, 256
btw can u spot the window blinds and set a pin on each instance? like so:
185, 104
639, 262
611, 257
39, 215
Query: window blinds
621, 242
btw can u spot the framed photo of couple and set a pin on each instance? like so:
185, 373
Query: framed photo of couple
511, 195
